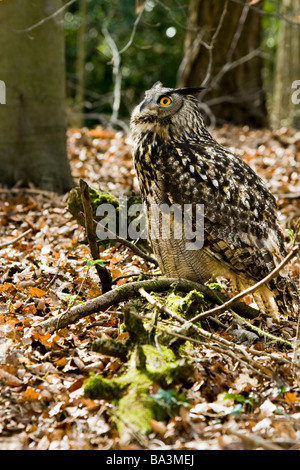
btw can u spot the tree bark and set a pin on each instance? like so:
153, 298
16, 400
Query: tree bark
33, 120
222, 53
80, 66
285, 110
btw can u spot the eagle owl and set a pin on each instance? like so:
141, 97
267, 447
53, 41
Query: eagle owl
178, 163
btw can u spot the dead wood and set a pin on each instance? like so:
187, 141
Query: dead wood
123, 293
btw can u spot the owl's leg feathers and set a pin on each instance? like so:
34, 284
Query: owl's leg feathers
286, 294
278, 299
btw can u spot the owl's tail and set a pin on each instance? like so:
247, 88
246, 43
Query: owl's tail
286, 294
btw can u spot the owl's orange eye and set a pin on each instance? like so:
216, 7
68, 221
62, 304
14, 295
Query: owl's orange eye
165, 100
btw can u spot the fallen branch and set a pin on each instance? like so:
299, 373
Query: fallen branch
261, 332
11, 242
160, 306
190, 323
103, 273
123, 293
253, 440
289, 195
17, 190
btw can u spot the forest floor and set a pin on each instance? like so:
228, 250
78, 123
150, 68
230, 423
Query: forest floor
231, 405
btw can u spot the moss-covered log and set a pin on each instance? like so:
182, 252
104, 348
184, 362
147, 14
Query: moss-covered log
131, 392
148, 365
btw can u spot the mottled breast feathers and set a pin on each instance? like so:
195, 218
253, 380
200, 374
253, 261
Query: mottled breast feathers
178, 162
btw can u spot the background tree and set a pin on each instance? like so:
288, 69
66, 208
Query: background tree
284, 111
231, 46
33, 120
155, 52
223, 52
80, 64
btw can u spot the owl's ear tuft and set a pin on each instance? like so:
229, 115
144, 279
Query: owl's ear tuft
187, 91
157, 85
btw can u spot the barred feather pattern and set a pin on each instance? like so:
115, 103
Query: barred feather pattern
177, 161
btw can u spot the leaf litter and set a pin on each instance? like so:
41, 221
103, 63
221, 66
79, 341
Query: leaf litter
42, 404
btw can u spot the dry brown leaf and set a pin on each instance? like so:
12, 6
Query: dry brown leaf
291, 398
10, 379
37, 292
158, 426
30, 394
29, 309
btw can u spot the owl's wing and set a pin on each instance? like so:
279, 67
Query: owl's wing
240, 221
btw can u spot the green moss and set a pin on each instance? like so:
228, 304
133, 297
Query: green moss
186, 349
75, 206
100, 387
214, 286
131, 390
137, 410
134, 324
163, 367
174, 302
98, 197
146, 365
192, 303
111, 347
187, 306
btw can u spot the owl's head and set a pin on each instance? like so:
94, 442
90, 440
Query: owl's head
160, 102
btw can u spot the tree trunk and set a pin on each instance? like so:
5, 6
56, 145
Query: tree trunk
285, 110
33, 120
80, 66
222, 53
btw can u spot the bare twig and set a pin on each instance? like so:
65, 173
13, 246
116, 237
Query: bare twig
116, 61
135, 24
47, 18
159, 305
18, 190
238, 31
126, 276
262, 12
231, 65
189, 57
135, 249
260, 332
226, 346
170, 312
212, 43
117, 75
103, 273
11, 242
